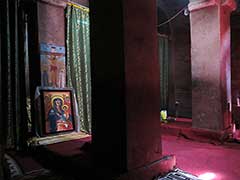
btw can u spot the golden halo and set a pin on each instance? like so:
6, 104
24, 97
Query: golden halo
65, 106
56, 97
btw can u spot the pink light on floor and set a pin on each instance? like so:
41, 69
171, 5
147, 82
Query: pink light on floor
207, 176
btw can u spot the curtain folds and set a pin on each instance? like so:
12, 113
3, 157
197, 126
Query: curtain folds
12, 75
164, 70
78, 61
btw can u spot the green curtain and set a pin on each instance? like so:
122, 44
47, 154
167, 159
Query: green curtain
163, 48
1, 100
12, 75
78, 61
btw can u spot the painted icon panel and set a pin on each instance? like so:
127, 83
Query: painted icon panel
57, 111
53, 70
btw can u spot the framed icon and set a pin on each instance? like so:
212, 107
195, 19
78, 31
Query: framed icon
57, 111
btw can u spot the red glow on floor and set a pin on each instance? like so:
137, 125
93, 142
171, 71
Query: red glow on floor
208, 176
199, 158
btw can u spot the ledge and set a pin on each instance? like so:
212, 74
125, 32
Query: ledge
186, 130
39, 141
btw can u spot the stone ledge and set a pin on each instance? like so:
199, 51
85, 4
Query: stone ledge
201, 135
38, 141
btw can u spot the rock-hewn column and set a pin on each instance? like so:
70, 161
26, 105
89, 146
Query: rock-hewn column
210, 53
125, 88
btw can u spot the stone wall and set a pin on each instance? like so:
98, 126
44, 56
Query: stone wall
51, 25
235, 65
51, 20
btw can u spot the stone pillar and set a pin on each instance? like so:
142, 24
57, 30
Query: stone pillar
125, 89
210, 56
142, 82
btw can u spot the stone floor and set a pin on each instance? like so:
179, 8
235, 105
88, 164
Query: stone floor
206, 160
209, 160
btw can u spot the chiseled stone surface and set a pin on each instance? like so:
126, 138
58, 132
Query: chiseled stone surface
210, 51
126, 90
51, 20
142, 82
51, 24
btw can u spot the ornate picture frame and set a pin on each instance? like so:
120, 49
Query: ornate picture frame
57, 111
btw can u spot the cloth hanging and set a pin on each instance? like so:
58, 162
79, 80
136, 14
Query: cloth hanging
78, 61
13, 90
164, 70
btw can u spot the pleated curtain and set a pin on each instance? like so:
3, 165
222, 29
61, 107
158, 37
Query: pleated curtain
78, 61
13, 95
163, 49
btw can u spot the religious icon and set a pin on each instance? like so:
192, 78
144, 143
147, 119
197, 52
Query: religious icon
58, 111
52, 65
